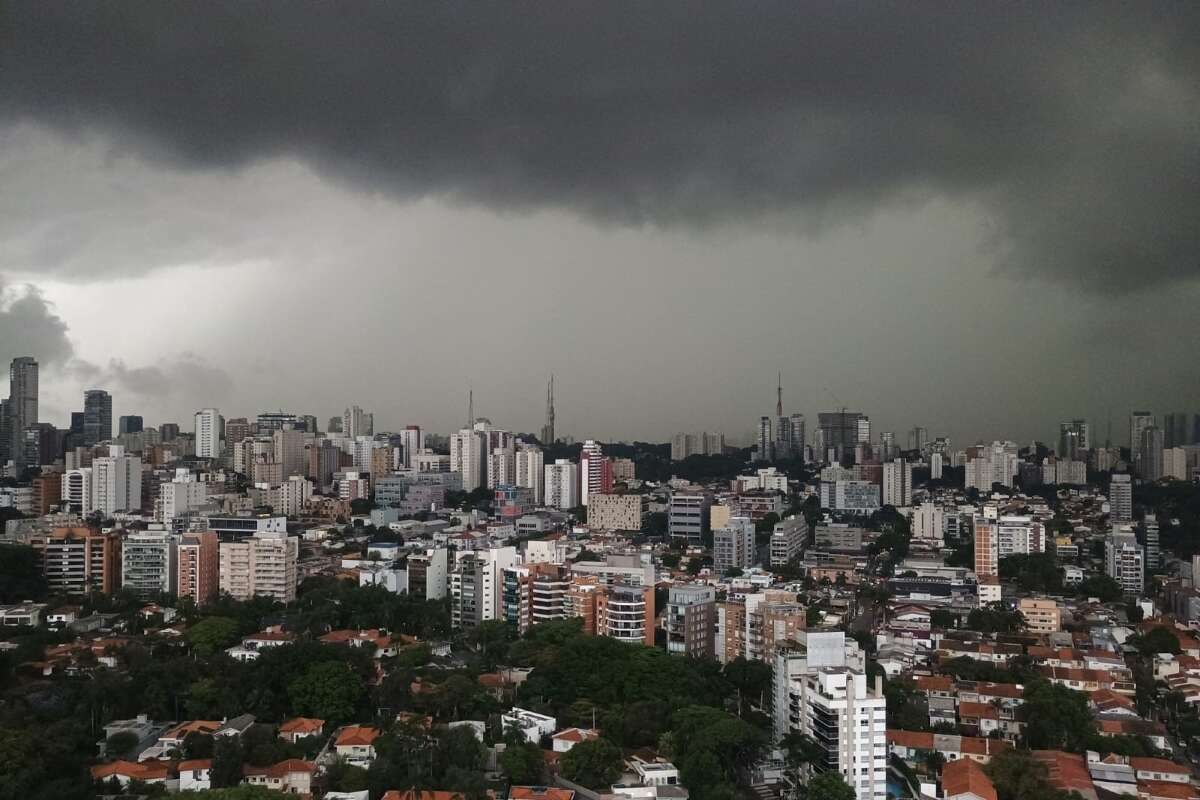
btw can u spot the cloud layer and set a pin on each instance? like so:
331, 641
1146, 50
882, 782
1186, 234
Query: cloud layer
1074, 126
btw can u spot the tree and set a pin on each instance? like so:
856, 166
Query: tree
459, 748
829, 785
243, 792
227, 762
996, 618
345, 777
120, 744
594, 763
1056, 718
1017, 775
20, 577
329, 690
1157, 640
521, 761
212, 634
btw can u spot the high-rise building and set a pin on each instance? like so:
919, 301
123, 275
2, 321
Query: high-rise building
1124, 560
626, 613
935, 466
199, 565
79, 560
262, 564
840, 431
77, 490
130, 423
97, 417
476, 585
1120, 498
690, 620
22, 404
733, 545
467, 457
1074, 438
687, 515
167, 432
788, 539
929, 523
595, 471
991, 464
918, 437
562, 484
1153, 558
334, 425
1176, 429
1138, 421
766, 443
987, 558
412, 441
289, 450
356, 422
149, 563
530, 469
799, 435
887, 445
1150, 454
617, 512
236, 430
897, 483
1175, 463
208, 433
116, 482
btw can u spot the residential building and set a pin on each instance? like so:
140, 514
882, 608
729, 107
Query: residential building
897, 483
929, 523
263, 564
626, 613
1074, 439
467, 449
116, 482
691, 619
208, 425
79, 560
595, 471
149, 563
734, 546
531, 471
624, 470
356, 422
772, 618
1175, 464
179, 497
428, 573
765, 451
199, 565
687, 515
1124, 561
839, 536
534, 593
991, 464
1120, 498
562, 485
987, 559
476, 584
1149, 459
1042, 615
851, 496
22, 410
788, 539
621, 512
1139, 421
77, 490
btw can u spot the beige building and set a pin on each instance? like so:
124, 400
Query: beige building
618, 512
718, 516
1041, 615
263, 564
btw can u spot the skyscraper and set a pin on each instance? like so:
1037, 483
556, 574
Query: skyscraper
897, 483
1074, 437
97, 417
799, 434
129, 424
1138, 421
1150, 453
356, 422
548, 428
1175, 430
766, 444
468, 450
22, 404
841, 430
1120, 498
208, 433
595, 471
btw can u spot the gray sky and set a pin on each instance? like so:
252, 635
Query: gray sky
979, 219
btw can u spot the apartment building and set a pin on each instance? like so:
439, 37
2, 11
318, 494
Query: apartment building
788, 539
476, 582
626, 613
691, 620
149, 563
79, 560
734, 546
772, 617
687, 515
535, 593
1124, 561
199, 565
263, 564
428, 573
1041, 615
618, 512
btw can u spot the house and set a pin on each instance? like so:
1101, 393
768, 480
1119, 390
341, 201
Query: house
236, 726
1122, 725
421, 794
355, 744
964, 779
145, 729
195, 775
1166, 790
1159, 770
981, 718
251, 646
172, 738
63, 615
293, 776
1068, 772
564, 740
657, 772
531, 725
298, 728
380, 643
153, 610
126, 771
539, 793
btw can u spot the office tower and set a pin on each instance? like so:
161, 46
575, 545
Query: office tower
595, 471
990, 464
887, 445
97, 417
1124, 561
476, 585
467, 449
691, 619
788, 539
897, 483
335, 425
116, 482
935, 466
149, 563
548, 429
1120, 498
918, 437
208, 433
799, 434
262, 564
687, 515
412, 441
1138, 421
129, 424
41, 444
530, 469
6, 434
22, 404
167, 432
199, 565
288, 445
766, 444
1150, 453
1074, 438
236, 430
733, 545
79, 560
562, 485
840, 431
356, 422
1176, 431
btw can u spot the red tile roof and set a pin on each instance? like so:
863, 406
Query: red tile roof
539, 793
302, 725
914, 740
1157, 765
142, 771
356, 735
965, 776
194, 764
1166, 790
1066, 771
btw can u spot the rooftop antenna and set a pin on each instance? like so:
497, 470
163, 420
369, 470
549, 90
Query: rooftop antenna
779, 396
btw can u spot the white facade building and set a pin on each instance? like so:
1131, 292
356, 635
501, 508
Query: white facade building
208, 433
116, 482
149, 562
531, 471
897, 483
562, 484
467, 449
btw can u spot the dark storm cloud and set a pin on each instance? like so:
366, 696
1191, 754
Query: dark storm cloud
1075, 126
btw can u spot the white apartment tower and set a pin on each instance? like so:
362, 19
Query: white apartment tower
733, 546
208, 433
467, 457
116, 482
531, 472
897, 483
262, 564
149, 563
562, 484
